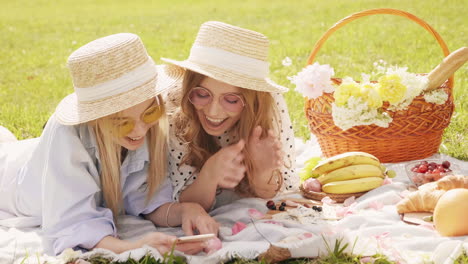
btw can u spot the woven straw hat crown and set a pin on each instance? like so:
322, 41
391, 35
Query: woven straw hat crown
109, 75
231, 54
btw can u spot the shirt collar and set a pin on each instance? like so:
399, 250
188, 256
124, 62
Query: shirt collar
135, 159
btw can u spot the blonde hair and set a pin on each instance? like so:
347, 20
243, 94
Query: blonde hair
260, 110
110, 154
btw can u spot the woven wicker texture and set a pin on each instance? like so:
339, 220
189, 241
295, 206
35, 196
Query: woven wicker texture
118, 60
237, 40
106, 59
318, 196
246, 45
414, 133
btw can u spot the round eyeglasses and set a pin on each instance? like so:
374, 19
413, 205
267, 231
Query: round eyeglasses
126, 125
231, 102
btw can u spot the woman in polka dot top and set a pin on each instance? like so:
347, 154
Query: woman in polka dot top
230, 131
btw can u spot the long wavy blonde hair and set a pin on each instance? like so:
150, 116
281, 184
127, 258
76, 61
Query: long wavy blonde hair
110, 154
260, 110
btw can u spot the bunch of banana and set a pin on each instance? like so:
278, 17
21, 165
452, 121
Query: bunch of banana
350, 172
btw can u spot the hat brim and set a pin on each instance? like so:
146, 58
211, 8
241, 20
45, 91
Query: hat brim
70, 111
230, 77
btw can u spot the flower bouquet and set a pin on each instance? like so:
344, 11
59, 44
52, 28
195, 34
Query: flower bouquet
391, 113
362, 103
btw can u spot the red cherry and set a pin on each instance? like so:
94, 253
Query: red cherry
422, 168
446, 164
270, 204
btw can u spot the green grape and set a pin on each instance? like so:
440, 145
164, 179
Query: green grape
391, 173
306, 172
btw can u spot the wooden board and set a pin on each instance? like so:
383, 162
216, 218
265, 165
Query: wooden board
416, 218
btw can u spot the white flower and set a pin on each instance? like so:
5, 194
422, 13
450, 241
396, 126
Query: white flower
437, 96
357, 113
314, 80
287, 62
69, 255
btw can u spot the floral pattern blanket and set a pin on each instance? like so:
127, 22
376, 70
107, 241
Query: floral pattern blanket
369, 224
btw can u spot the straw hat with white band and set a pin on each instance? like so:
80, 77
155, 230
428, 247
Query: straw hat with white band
231, 54
112, 74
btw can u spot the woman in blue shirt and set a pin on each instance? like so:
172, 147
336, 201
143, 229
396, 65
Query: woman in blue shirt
102, 154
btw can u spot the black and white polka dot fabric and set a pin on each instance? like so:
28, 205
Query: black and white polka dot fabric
184, 175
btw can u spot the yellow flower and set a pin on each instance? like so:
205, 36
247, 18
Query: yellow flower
345, 90
370, 94
391, 89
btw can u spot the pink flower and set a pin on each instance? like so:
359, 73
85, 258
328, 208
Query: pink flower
376, 205
404, 193
382, 236
237, 227
305, 235
314, 80
382, 240
212, 245
387, 180
344, 211
328, 232
255, 214
327, 200
349, 201
273, 222
332, 230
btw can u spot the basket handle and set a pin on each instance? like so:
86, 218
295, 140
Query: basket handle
387, 11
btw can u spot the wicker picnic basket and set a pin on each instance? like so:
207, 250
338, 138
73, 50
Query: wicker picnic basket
415, 133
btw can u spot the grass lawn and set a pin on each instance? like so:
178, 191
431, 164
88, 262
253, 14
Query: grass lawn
38, 36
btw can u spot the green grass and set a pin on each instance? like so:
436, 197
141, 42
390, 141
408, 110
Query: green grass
38, 36
335, 255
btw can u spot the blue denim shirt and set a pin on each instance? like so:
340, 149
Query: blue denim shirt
59, 185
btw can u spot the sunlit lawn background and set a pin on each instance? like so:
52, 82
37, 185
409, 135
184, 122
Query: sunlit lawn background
37, 36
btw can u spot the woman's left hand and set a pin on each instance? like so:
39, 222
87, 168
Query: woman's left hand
195, 218
267, 154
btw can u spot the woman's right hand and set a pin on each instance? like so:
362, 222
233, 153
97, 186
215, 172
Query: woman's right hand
227, 165
163, 243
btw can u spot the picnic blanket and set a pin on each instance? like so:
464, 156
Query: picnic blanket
371, 225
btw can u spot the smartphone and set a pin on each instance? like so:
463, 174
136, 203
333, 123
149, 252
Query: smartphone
195, 238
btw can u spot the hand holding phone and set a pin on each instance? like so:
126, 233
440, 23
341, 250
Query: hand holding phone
195, 238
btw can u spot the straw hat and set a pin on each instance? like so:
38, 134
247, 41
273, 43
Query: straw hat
112, 74
231, 54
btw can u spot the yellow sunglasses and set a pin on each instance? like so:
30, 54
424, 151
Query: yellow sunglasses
150, 115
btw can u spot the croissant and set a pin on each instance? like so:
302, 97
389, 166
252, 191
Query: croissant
452, 182
419, 201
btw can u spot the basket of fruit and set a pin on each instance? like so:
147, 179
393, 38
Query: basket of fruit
342, 176
395, 116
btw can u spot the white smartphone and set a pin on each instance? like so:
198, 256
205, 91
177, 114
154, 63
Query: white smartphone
195, 238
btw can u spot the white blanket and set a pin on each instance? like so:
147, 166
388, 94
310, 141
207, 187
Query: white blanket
366, 230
